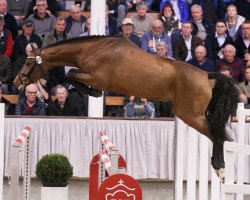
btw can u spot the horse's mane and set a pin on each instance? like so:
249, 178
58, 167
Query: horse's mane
76, 39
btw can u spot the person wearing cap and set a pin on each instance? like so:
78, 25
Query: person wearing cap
43, 21
10, 21
6, 42
127, 32
28, 36
141, 20
155, 35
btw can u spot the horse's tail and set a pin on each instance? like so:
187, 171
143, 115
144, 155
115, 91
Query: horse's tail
223, 104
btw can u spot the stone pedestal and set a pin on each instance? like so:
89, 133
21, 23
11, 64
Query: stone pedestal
54, 193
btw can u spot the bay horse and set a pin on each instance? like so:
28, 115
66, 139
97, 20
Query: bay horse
203, 101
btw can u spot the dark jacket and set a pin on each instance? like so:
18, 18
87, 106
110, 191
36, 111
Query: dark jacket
39, 108
207, 66
69, 21
113, 26
69, 109
241, 47
10, 24
5, 69
21, 42
6, 43
208, 25
180, 50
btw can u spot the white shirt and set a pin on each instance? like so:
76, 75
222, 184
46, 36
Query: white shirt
188, 45
247, 43
220, 39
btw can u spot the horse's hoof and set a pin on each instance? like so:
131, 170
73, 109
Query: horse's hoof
221, 174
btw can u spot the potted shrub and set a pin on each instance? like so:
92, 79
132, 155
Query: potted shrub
54, 171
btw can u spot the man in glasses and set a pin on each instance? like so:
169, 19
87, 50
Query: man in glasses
30, 104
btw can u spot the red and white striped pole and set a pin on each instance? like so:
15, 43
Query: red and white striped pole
23, 135
106, 141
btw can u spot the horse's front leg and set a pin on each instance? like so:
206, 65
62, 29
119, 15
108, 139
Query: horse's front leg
217, 160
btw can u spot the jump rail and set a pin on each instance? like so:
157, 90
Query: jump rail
15, 157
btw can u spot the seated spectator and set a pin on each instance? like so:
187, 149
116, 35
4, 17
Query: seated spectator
185, 43
170, 22
62, 106
155, 35
75, 22
9, 108
5, 73
87, 28
201, 61
43, 21
235, 63
226, 71
218, 41
6, 42
30, 104
233, 21
10, 21
180, 7
127, 32
212, 9
56, 75
243, 6
245, 89
242, 43
118, 9
111, 24
19, 9
139, 107
132, 4
142, 21
28, 36
162, 50
52, 8
202, 27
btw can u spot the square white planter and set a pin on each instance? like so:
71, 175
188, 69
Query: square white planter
54, 193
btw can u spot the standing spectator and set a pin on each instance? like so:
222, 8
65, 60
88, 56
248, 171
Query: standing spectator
56, 75
243, 7
141, 20
6, 42
233, 21
201, 61
201, 26
242, 43
185, 44
10, 21
155, 35
170, 22
30, 104
180, 7
5, 73
118, 9
43, 22
218, 40
111, 24
127, 32
230, 60
132, 4
75, 22
19, 9
62, 106
212, 9
26, 37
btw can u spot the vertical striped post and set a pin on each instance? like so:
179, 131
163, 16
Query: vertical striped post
14, 187
1, 148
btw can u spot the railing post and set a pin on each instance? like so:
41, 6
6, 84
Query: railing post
1, 148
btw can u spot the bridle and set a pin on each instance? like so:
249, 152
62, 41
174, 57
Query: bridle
25, 79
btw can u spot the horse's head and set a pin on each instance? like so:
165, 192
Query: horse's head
31, 70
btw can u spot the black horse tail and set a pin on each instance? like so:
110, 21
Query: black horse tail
225, 97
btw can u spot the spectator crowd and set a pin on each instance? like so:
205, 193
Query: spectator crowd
212, 35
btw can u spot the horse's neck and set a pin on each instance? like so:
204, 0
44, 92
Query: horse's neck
60, 56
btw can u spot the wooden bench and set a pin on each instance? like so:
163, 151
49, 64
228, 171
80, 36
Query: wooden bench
13, 99
87, 14
114, 100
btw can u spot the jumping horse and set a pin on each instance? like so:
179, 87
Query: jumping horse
203, 101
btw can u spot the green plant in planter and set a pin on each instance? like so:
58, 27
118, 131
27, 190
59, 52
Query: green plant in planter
54, 170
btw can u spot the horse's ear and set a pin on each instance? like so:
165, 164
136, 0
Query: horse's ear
35, 49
